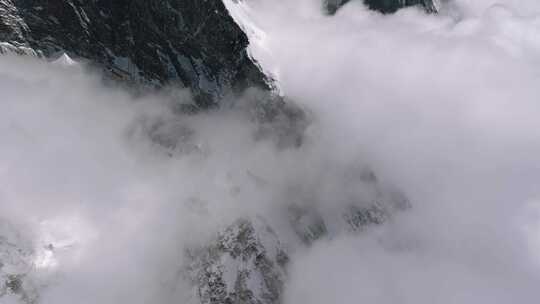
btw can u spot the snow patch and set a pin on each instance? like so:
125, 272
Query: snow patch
65, 60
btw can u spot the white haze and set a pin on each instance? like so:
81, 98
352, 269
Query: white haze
446, 106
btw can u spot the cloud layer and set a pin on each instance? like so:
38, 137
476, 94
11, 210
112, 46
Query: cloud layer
444, 106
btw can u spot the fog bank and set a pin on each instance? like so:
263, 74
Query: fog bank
444, 107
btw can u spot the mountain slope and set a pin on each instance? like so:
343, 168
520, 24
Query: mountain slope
186, 43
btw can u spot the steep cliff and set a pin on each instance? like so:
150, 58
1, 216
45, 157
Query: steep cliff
384, 6
186, 43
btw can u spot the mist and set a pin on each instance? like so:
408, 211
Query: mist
443, 107
446, 107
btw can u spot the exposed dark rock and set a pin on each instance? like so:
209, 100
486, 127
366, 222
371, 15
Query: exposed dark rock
186, 43
383, 6
12, 27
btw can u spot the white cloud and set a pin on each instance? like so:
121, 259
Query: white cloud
445, 108
448, 109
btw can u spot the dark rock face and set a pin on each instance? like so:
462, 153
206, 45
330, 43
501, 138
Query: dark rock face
245, 264
187, 43
384, 6
390, 6
12, 27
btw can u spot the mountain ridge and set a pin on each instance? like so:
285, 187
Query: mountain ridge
180, 43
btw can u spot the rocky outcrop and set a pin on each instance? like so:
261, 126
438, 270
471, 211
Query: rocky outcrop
12, 26
244, 265
186, 43
384, 6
